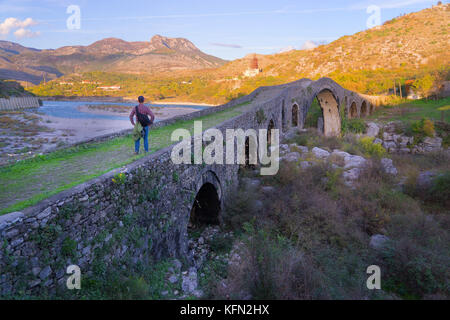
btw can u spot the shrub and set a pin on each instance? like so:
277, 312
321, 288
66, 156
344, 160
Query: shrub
356, 126
371, 149
272, 268
69, 247
260, 116
221, 243
440, 191
421, 129
313, 115
239, 209
416, 260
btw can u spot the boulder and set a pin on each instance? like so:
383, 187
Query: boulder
432, 144
388, 166
351, 175
372, 129
340, 154
302, 149
388, 136
284, 148
320, 153
378, 241
378, 141
190, 282
425, 180
352, 161
305, 164
405, 141
292, 157
390, 146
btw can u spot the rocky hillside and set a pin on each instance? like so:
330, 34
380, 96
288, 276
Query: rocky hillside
402, 48
412, 40
160, 54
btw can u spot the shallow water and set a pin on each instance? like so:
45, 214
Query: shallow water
69, 109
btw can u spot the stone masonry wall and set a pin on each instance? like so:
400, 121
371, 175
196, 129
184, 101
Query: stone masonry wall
16, 103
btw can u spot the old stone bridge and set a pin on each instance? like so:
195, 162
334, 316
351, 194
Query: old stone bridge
140, 213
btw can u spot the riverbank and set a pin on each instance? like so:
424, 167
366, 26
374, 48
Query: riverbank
127, 100
114, 110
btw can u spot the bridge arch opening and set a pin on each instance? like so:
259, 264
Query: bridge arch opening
251, 145
330, 112
206, 207
353, 111
295, 115
283, 116
363, 109
269, 133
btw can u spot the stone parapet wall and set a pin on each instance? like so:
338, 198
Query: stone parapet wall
18, 103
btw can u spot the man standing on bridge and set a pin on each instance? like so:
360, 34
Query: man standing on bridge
142, 112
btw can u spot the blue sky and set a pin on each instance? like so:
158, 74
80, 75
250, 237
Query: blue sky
228, 29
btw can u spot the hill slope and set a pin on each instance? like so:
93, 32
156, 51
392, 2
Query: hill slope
160, 54
410, 42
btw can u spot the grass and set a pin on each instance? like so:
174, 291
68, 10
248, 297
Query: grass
414, 110
27, 182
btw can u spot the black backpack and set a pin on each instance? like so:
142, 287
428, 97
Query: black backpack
142, 118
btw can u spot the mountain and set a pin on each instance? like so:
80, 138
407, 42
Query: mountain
160, 54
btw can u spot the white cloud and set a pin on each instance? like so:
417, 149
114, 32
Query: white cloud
25, 33
20, 27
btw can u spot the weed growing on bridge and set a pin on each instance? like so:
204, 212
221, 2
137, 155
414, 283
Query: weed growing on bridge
260, 116
119, 178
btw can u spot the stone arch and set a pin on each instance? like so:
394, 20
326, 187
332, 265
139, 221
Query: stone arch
329, 104
353, 112
363, 112
295, 115
207, 205
283, 116
254, 142
371, 108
